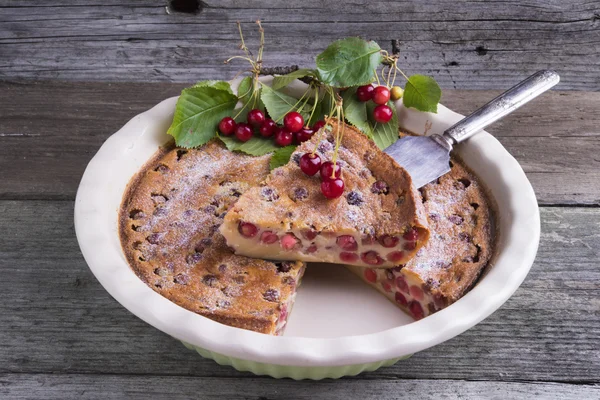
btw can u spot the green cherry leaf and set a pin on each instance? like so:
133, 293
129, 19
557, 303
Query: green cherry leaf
284, 80
245, 89
221, 85
197, 114
355, 111
257, 146
245, 94
281, 157
383, 134
278, 104
349, 62
422, 92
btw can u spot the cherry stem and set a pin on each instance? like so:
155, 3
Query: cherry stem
262, 43
243, 45
314, 107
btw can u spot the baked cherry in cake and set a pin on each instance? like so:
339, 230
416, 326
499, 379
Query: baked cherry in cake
378, 220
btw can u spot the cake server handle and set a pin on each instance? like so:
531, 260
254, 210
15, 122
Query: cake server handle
502, 105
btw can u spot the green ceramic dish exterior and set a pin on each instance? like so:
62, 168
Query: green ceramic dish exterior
288, 371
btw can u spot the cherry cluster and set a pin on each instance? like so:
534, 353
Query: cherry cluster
332, 184
380, 96
293, 129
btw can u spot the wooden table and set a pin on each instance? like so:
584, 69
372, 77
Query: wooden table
73, 72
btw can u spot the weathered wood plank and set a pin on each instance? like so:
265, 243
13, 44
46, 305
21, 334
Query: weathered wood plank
81, 387
470, 45
56, 318
50, 130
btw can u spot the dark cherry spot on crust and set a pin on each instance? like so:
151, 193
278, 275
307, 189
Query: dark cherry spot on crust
324, 147
181, 153
475, 206
161, 271
354, 198
154, 238
209, 280
210, 209
476, 258
162, 168
181, 279
380, 187
159, 198
223, 303
193, 258
464, 182
296, 158
300, 194
456, 219
284, 267
222, 268
269, 194
136, 214
271, 295
434, 217
465, 237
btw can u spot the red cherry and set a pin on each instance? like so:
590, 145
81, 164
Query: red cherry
382, 114
310, 164
411, 235
327, 170
318, 125
267, 128
332, 188
381, 95
370, 275
247, 229
283, 137
256, 117
243, 132
227, 126
365, 93
293, 121
303, 135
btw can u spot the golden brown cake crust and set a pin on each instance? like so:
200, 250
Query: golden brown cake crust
379, 198
169, 222
461, 244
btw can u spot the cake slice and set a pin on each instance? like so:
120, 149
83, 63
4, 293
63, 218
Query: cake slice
169, 228
459, 248
378, 221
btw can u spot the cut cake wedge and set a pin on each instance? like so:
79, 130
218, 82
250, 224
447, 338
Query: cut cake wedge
379, 220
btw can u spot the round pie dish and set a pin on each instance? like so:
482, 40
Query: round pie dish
339, 326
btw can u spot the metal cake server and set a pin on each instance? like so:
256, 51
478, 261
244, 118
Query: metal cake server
426, 158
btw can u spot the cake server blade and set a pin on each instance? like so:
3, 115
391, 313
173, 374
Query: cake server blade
426, 158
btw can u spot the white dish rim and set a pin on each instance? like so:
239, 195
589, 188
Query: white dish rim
518, 219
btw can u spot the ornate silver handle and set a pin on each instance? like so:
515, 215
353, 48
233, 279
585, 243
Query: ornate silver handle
502, 105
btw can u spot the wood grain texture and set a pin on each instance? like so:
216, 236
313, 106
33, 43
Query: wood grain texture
50, 130
82, 387
463, 44
56, 318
